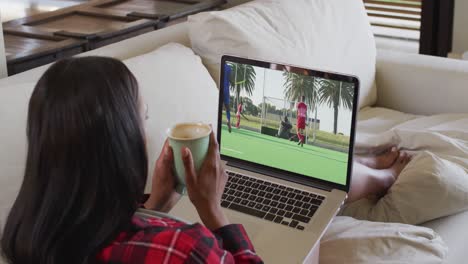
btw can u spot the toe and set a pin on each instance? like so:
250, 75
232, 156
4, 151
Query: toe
408, 158
391, 156
402, 157
394, 153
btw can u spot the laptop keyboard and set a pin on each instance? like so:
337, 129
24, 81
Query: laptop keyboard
272, 202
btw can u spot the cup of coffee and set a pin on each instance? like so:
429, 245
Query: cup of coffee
194, 136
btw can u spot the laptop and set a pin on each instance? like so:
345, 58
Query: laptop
288, 149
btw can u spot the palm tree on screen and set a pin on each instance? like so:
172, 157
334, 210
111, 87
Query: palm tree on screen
242, 79
336, 94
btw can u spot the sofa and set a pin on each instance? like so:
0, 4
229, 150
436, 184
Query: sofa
407, 86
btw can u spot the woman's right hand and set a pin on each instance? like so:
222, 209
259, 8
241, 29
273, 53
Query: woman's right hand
206, 187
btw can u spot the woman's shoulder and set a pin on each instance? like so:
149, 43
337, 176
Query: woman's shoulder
152, 239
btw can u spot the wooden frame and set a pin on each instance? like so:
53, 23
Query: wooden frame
435, 17
437, 27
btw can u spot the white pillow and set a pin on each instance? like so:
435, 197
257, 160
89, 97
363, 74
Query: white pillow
321, 34
177, 88
429, 187
14, 100
353, 241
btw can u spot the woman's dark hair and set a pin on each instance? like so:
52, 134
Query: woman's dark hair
86, 165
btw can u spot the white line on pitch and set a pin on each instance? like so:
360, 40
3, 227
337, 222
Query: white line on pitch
232, 150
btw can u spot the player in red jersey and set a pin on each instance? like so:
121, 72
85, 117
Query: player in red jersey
301, 120
238, 114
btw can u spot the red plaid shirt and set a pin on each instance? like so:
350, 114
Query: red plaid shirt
163, 240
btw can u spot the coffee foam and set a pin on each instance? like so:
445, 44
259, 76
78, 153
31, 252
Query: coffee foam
189, 131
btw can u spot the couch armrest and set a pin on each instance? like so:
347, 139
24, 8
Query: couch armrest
419, 84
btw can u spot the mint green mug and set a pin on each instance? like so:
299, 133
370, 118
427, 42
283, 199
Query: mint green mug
194, 136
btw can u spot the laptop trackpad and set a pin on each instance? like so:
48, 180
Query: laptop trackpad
251, 224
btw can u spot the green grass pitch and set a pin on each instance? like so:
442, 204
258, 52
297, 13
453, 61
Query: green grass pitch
313, 161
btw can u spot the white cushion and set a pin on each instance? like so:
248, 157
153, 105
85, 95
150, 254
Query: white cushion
414, 83
14, 101
352, 241
177, 88
332, 35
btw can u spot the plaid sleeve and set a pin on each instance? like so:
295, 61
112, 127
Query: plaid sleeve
209, 249
234, 239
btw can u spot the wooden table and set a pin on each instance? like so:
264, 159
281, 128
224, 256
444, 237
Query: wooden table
37, 40
27, 51
14, 9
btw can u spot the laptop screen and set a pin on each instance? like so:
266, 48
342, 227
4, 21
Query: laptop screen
288, 118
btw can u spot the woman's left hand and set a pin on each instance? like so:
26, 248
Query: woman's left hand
163, 195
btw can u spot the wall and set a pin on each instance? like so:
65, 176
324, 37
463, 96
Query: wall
460, 27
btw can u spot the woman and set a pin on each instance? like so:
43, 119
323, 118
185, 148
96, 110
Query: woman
86, 171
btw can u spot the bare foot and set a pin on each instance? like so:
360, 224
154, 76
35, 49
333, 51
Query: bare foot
372, 182
399, 165
386, 178
382, 161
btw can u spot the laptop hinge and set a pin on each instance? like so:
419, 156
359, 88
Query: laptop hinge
310, 183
